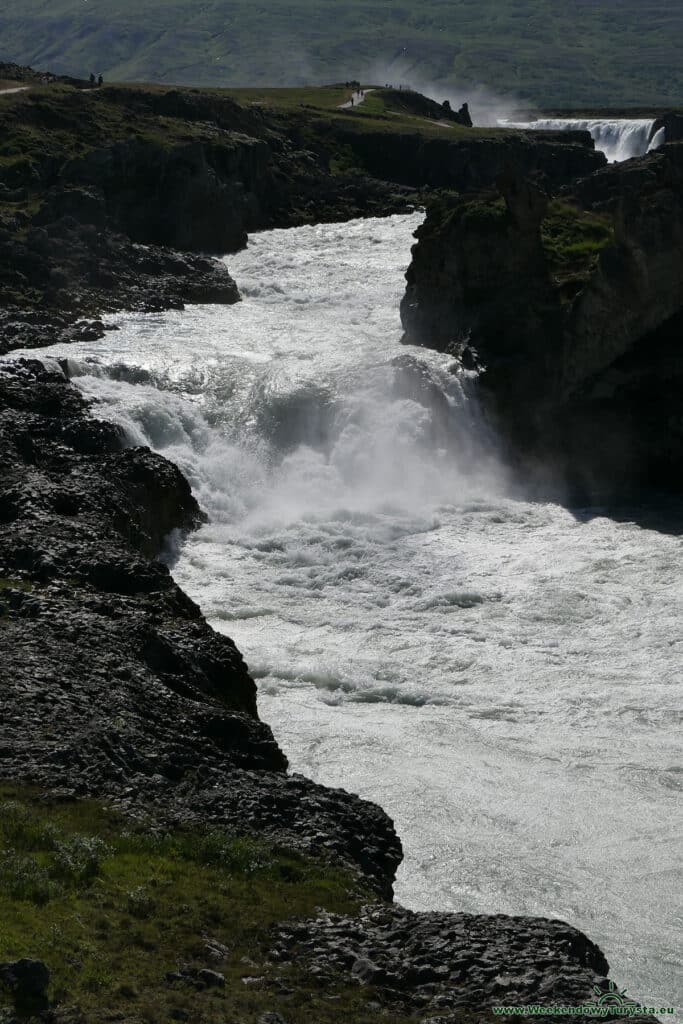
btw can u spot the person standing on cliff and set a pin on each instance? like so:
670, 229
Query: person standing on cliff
100, 80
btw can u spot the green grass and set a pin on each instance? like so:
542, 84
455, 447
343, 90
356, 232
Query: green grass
573, 240
547, 51
375, 113
327, 97
111, 908
10, 583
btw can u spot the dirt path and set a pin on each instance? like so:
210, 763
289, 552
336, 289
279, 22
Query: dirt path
357, 98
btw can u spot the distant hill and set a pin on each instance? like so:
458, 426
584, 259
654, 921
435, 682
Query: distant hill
563, 53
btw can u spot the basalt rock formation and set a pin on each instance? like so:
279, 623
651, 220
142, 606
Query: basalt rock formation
467, 164
448, 963
573, 308
411, 102
104, 192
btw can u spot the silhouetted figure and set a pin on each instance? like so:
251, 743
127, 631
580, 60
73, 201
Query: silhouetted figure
100, 80
352, 101
92, 80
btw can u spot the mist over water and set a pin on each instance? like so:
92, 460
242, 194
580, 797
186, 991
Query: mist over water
499, 674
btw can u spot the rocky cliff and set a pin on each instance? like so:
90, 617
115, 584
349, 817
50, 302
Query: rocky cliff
572, 308
104, 192
471, 163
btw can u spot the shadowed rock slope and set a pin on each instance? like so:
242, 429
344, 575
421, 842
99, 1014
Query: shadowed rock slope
573, 307
128, 692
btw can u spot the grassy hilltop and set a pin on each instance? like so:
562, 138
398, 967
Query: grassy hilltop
592, 52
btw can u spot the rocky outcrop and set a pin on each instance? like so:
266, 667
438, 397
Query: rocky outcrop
407, 101
128, 692
92, 175
564, 366
464, 164
673, 127
443, 964
67, 259
23, 75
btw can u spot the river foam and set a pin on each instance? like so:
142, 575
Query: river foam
499, 674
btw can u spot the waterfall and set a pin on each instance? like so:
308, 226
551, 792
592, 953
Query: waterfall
618, 138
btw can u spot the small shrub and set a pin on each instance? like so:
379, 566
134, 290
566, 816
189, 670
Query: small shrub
79, 858
140, 904
14, 820
483, 214
241, 856
23, 878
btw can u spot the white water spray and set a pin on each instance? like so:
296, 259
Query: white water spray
619, 139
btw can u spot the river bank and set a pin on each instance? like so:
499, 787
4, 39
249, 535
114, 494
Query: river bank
87, 507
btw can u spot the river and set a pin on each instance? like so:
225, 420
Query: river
499, 674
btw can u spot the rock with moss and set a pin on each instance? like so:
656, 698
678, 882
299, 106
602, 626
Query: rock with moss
570, 305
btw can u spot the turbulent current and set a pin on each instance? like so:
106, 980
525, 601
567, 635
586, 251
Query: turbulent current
498, 674
618, 138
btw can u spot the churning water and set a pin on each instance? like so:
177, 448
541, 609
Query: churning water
498, 674
618, 138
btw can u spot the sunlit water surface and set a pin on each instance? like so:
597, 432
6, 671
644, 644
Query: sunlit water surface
498, 674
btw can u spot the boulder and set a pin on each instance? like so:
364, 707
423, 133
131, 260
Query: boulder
28, 981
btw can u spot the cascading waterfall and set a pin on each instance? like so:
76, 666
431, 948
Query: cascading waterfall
619, 139
496, 673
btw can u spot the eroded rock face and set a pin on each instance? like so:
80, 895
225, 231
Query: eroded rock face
112, 684
443, 964
65, 256
638, 283
474, 162
563, 369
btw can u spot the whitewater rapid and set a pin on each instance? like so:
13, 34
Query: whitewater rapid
618, 138
500, 675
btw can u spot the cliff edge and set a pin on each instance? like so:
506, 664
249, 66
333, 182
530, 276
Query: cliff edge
571, 307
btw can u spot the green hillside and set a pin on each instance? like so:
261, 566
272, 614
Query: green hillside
552, 52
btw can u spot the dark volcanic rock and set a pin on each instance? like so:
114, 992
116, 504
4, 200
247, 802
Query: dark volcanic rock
79, 269
129, 693
564, 368
444, 964
27, 980
467, 164
97, 216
